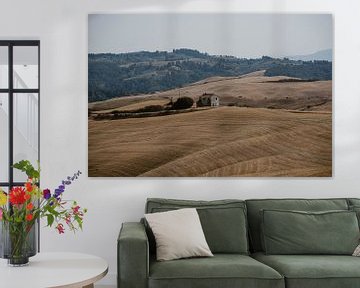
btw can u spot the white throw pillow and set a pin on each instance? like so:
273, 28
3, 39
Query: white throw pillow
178, 234
357, 251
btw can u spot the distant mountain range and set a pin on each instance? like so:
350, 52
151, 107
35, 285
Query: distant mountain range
116, 75
326, 55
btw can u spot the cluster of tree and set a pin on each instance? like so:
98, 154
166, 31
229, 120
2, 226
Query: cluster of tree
310, 70
183, 103
114, 75
179, 104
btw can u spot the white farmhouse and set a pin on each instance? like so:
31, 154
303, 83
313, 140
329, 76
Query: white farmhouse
208, 99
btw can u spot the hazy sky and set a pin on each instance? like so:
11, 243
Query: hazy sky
241, 35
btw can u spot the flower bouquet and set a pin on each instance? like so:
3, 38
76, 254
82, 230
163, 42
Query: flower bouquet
21, 208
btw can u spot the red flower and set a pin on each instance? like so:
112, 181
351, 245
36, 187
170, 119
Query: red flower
60, 228
17, 196
75, 209
29, 186
68, 219
29, 206
29, 217
27, 196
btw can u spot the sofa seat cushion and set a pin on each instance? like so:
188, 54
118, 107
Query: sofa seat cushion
222, 270
314, 271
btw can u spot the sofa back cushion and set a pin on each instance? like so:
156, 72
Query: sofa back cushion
298, 232
353, 202
255, 206
354, 205
223, 221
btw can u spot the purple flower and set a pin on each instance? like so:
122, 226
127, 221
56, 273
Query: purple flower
46, 194
64, 183
58, 192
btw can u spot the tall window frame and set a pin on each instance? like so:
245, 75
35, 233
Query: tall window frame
11, 91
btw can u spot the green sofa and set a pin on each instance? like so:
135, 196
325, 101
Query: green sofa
233, 230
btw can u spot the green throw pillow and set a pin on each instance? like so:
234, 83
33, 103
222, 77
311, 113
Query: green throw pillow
224, 222
299, 232
225, 229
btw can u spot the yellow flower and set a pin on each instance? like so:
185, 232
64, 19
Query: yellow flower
3, 198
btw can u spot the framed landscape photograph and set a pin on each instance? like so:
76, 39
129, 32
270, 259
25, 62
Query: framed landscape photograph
210, 95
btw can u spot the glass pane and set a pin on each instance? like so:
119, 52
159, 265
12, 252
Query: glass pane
5, 189
26, 130
26, 67
4, 67
4, 137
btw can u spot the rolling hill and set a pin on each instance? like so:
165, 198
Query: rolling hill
250, 90
144, 72
265, 126
326, 55
225, 141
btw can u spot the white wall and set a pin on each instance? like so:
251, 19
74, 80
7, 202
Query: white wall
61, 25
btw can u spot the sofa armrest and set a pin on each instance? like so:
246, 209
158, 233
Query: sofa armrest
133, 256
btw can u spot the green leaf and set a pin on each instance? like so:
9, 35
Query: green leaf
26, 167
50, 219
53, 211
79, 221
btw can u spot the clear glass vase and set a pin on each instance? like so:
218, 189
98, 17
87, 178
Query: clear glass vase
18, 242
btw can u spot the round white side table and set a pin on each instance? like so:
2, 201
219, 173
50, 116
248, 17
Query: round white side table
50, 270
